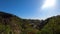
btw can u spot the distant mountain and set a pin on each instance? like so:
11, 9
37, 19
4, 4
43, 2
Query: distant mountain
11, 24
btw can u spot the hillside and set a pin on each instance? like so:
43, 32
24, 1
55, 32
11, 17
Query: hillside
52, 26
11, 24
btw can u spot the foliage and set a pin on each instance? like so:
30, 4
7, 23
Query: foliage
11, 24
52, 27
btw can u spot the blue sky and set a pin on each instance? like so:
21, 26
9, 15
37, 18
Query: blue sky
30, 9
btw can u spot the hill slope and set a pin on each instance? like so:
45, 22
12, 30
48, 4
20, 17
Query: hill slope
52, 26
11, 24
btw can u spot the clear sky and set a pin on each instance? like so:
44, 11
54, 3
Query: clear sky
31, 9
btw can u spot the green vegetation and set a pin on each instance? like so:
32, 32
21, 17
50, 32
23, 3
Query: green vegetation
53, 26
11, 24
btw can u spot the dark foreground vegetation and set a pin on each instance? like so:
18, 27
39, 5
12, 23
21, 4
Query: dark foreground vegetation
11, 24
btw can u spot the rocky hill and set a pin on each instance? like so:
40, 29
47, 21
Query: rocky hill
11, 24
